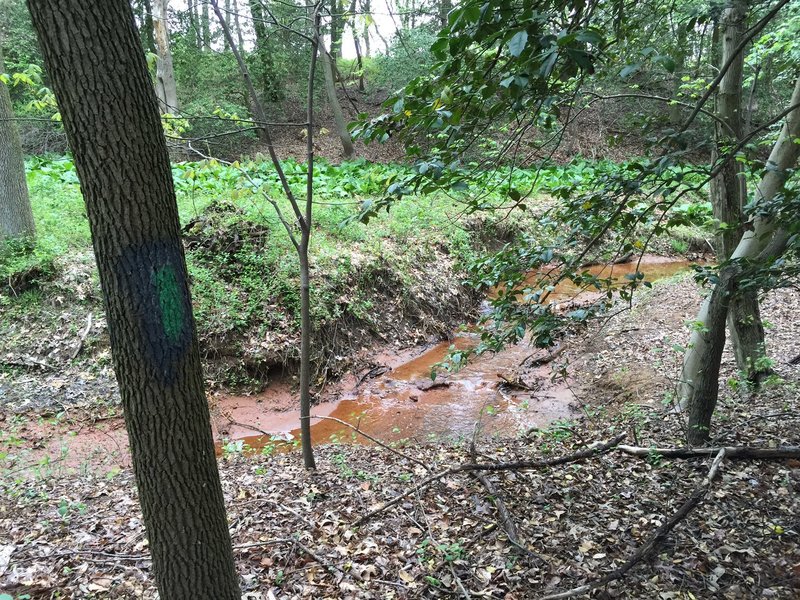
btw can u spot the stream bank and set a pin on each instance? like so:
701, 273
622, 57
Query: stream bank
392, 398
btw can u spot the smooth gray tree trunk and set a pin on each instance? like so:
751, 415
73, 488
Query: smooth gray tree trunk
16, 217
166, 89
333, 101
697, 389
729, 195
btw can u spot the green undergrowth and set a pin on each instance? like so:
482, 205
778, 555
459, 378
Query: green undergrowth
399, 278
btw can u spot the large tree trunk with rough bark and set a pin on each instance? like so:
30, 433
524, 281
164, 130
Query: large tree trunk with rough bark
166, 89
110, 114
729, 195
16, 218
763, 243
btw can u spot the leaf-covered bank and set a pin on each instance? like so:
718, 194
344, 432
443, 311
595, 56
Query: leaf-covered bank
295, 533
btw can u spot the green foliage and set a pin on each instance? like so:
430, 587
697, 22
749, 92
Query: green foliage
408, 57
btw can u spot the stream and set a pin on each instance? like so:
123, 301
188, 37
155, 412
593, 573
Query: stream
404, 404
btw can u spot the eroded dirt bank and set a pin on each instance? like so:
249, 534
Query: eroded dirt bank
391, 397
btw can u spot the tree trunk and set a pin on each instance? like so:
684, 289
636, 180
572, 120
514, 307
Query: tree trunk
336, 29
205, 25
269, 84
675, 110
100, 79
445, 6
16, 218
166, 90
766, 241
237, 24
729, 195
193, 22
366, 9
336, 107
225, 46
147, 26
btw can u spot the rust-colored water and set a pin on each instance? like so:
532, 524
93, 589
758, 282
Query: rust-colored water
653, 267
396, 406
393, 407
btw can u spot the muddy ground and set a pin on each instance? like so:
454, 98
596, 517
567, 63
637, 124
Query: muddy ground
77, 532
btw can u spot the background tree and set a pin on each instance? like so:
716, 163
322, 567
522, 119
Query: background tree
729, 191
16, 217
166, 89
94, 58
765, 243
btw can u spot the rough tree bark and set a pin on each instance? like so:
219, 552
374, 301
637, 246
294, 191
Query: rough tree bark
93, 57
729, 195
16, 218
166, 89
697, 390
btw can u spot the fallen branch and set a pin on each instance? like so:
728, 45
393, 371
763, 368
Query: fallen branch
373, 439
515, 383
82, 339
654, 541
594, 450
548, 358
27, 362
744, 452
505, 517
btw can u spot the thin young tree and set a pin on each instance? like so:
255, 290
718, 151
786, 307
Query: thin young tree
16, 217
302, 216
94, 59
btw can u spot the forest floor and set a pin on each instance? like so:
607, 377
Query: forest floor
78, 533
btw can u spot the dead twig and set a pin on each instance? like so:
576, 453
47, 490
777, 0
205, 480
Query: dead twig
743, 452
373, 440
654, 541
82, 339
291, 541
595, 449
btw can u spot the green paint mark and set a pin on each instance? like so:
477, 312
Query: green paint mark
173, 311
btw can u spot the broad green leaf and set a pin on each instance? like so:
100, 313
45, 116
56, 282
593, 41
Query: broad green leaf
517, 43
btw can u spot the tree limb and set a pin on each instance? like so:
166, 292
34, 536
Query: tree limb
654, 541
743, 452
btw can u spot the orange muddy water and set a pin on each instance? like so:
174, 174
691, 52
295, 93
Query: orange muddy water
400, 404
404, 404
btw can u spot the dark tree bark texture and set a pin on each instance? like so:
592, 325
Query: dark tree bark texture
92, 54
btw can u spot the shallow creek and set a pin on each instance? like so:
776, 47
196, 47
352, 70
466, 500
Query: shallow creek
404, 404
